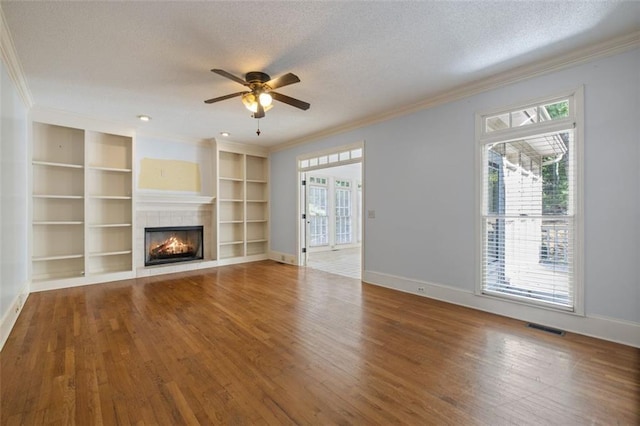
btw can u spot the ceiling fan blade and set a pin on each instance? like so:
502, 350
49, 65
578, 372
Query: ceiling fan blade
283, 80
289, 100
230, 76
260, 112
222, 98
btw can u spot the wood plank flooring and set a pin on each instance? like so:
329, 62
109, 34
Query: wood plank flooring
267, 343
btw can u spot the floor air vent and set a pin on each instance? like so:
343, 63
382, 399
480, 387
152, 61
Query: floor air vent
547, 329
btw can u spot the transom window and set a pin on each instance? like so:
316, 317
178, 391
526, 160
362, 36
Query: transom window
530, 203
332, 159
554, 110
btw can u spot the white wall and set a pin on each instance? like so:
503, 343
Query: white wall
14, 190
426, 233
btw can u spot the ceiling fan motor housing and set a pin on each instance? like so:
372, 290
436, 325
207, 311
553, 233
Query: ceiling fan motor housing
257, 77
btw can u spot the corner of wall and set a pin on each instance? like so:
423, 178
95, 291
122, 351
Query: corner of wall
11, 316
289, 259
12, 62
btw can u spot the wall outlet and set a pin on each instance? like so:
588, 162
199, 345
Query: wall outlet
420, 289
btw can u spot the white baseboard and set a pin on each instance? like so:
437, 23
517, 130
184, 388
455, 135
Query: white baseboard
615, 330
11, 316
289, 259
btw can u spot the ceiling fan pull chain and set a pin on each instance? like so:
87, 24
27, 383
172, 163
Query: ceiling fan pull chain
258, 131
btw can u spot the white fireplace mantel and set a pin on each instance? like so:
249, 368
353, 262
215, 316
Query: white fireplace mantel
173, 201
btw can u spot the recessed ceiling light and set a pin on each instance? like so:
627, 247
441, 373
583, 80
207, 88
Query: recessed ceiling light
225, 134
144, 117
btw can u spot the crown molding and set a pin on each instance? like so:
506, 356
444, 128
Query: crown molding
241, 148
607, 48
80, 121
11, 61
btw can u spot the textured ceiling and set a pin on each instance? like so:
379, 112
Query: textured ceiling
356, 60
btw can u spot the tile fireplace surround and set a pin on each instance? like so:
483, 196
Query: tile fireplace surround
173, 210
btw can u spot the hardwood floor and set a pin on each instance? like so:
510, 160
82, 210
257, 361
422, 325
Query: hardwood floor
267, 343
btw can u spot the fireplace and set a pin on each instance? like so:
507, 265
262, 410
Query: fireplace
172, 244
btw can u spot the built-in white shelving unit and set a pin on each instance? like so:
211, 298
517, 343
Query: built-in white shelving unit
82, 203
242, 203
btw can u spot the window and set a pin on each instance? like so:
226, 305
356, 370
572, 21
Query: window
318, 208
530, 202
345, 155
343, 211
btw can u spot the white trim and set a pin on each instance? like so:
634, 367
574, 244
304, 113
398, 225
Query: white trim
12, 62
600, 327
78, 121
240, 148
179, 201
277, 256
37, 286
11, 316
573, 58
579, 143
242, 259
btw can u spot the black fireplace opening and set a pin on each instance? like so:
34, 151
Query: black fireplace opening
172, 244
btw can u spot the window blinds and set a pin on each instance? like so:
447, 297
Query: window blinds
528, 219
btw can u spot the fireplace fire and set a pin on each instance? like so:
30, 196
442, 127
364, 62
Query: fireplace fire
172, 244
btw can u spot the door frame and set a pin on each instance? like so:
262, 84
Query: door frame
318, 160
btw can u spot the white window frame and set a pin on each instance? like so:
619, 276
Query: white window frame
323, 184
576, 119
343, 186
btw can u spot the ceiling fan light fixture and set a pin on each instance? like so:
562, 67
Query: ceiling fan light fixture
251, 102
265, 99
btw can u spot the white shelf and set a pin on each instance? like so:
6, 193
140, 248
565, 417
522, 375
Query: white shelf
111, 197
61, 257
39, 278
110, 253
52, 164
58, 197
242, 211
81, 177
109, 169
57, 222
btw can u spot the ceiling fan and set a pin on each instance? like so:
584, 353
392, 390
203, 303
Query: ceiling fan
260, 95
